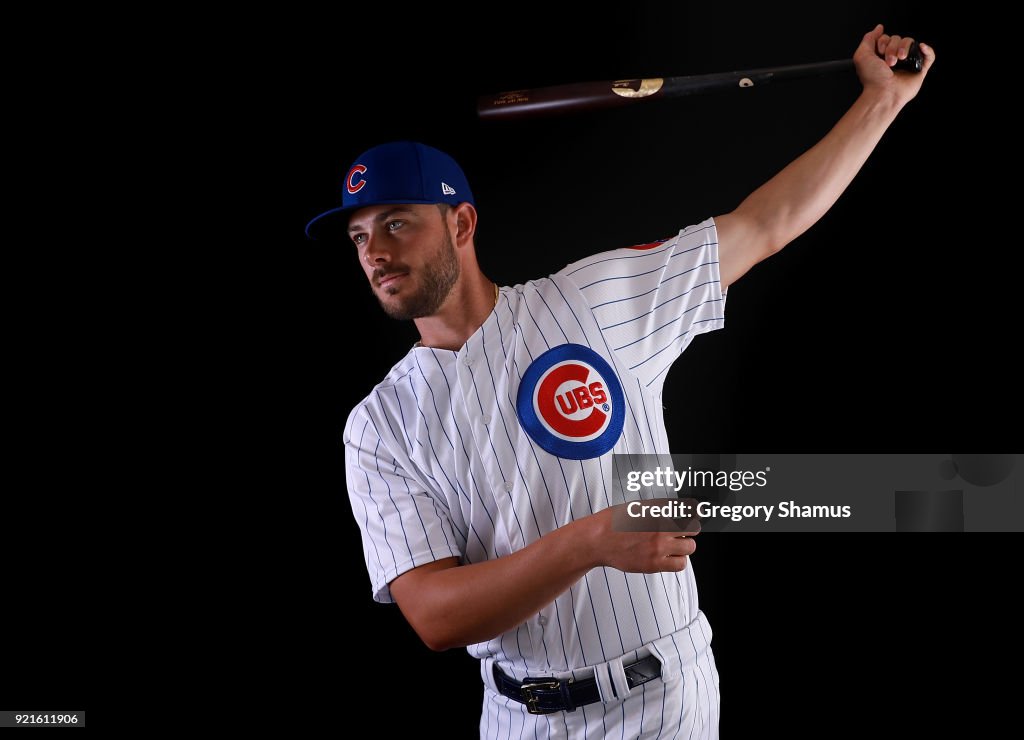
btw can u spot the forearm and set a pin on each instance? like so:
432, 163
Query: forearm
462, 605
793, 200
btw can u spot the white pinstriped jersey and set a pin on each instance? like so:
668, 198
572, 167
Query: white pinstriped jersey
478, 452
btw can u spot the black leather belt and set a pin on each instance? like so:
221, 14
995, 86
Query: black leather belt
547, 695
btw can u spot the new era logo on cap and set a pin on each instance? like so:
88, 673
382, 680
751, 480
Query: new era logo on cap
397, 172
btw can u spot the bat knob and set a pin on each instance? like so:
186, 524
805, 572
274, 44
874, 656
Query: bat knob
914, 61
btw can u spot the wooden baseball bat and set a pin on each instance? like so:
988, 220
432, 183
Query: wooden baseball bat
584, 96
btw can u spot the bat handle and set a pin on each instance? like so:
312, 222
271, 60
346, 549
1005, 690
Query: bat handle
914, 61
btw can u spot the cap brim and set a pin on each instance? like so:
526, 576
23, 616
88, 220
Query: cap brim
315, 228
331, 221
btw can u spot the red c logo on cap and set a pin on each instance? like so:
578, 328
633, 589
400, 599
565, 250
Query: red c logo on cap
354, 188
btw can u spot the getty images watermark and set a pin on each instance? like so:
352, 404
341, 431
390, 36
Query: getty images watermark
827, 493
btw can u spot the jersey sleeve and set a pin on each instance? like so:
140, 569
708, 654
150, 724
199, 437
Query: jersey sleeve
402, 525
652, 300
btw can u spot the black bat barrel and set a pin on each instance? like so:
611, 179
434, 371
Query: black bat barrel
586, 96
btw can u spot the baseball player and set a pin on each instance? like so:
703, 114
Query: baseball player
478, 468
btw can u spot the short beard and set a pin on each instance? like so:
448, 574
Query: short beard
438, 278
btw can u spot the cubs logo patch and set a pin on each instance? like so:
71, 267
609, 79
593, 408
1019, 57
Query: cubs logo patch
570, 403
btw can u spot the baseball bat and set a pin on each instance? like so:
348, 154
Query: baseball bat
585, 96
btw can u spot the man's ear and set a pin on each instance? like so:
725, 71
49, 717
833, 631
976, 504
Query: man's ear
465, 223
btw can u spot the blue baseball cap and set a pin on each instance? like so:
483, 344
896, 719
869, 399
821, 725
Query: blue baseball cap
397, 172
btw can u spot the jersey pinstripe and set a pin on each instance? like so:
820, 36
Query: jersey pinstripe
439, 465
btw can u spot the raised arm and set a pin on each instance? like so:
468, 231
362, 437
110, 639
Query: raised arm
791, 202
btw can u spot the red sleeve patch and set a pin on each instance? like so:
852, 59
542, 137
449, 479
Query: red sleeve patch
652, 245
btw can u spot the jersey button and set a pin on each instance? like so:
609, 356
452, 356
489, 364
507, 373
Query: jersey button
485, 419
466, 360
508, 486
542, 620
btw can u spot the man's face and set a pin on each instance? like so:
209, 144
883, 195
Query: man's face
407, 254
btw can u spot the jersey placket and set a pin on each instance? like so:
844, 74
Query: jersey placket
494, 435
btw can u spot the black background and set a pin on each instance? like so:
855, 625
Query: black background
888, 327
